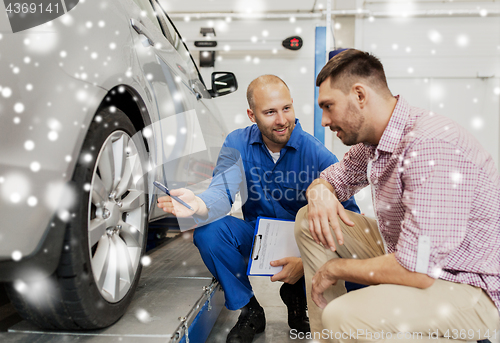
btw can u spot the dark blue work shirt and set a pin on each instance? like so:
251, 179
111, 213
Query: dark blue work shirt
268, 189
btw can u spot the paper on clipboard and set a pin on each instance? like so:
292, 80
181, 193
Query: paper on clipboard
274, 239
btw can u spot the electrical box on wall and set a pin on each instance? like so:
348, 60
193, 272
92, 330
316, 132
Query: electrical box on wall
207, 59
205, 43
293, 43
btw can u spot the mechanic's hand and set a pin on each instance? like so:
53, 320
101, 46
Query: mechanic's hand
320, 282
292, 270
170, 205
323, 210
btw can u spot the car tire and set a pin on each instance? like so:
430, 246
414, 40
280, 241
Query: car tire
105, 237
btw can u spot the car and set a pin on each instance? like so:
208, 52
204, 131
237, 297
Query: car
95, 105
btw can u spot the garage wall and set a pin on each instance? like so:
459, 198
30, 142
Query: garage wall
448, 65
248, 59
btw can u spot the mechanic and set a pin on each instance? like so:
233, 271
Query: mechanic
271, 164
435, 253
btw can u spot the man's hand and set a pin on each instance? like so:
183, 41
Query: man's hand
320, 282
169, 205
292, 270
323, 210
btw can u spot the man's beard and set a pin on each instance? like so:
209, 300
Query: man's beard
270, 134
351, 138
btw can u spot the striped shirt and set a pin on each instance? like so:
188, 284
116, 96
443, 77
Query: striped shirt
436, 195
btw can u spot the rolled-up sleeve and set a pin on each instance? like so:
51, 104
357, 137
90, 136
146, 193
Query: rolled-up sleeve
349, 175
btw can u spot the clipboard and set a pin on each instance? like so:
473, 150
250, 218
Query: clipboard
273, 239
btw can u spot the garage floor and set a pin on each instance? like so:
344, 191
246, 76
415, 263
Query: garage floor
154, 313
267, 293
167, 290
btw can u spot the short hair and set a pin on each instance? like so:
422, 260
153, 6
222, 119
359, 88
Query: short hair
351, 66
262, 80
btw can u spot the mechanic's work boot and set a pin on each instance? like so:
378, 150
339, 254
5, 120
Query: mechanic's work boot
250, 322
294, 298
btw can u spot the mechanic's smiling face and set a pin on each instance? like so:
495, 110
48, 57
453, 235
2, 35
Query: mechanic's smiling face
274, 114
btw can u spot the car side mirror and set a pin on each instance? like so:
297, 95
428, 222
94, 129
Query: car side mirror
223, 82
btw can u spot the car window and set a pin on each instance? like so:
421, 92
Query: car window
169, 27
176, 40
146, 7
168, 31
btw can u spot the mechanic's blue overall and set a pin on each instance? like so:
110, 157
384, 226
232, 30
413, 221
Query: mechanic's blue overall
267, 189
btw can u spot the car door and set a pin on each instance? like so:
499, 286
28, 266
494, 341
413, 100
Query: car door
201, 163
188, 134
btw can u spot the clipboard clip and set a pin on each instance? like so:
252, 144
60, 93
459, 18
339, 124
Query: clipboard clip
256, 248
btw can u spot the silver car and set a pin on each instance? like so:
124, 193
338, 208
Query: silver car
95, 105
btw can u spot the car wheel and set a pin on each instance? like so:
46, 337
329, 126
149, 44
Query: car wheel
105, 238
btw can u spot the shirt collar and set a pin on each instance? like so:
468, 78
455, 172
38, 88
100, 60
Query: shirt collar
293, 142
393, 133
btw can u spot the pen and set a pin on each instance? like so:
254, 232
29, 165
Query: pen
166, 191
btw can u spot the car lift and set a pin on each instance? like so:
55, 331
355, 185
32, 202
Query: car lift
177, 301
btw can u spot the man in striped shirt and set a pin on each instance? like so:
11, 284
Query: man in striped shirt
434, 250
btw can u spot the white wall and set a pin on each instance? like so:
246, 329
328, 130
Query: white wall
452, 67
248, 60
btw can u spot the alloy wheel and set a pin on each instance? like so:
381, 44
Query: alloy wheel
116, 225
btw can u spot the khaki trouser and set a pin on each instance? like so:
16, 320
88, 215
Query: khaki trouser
389, 312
